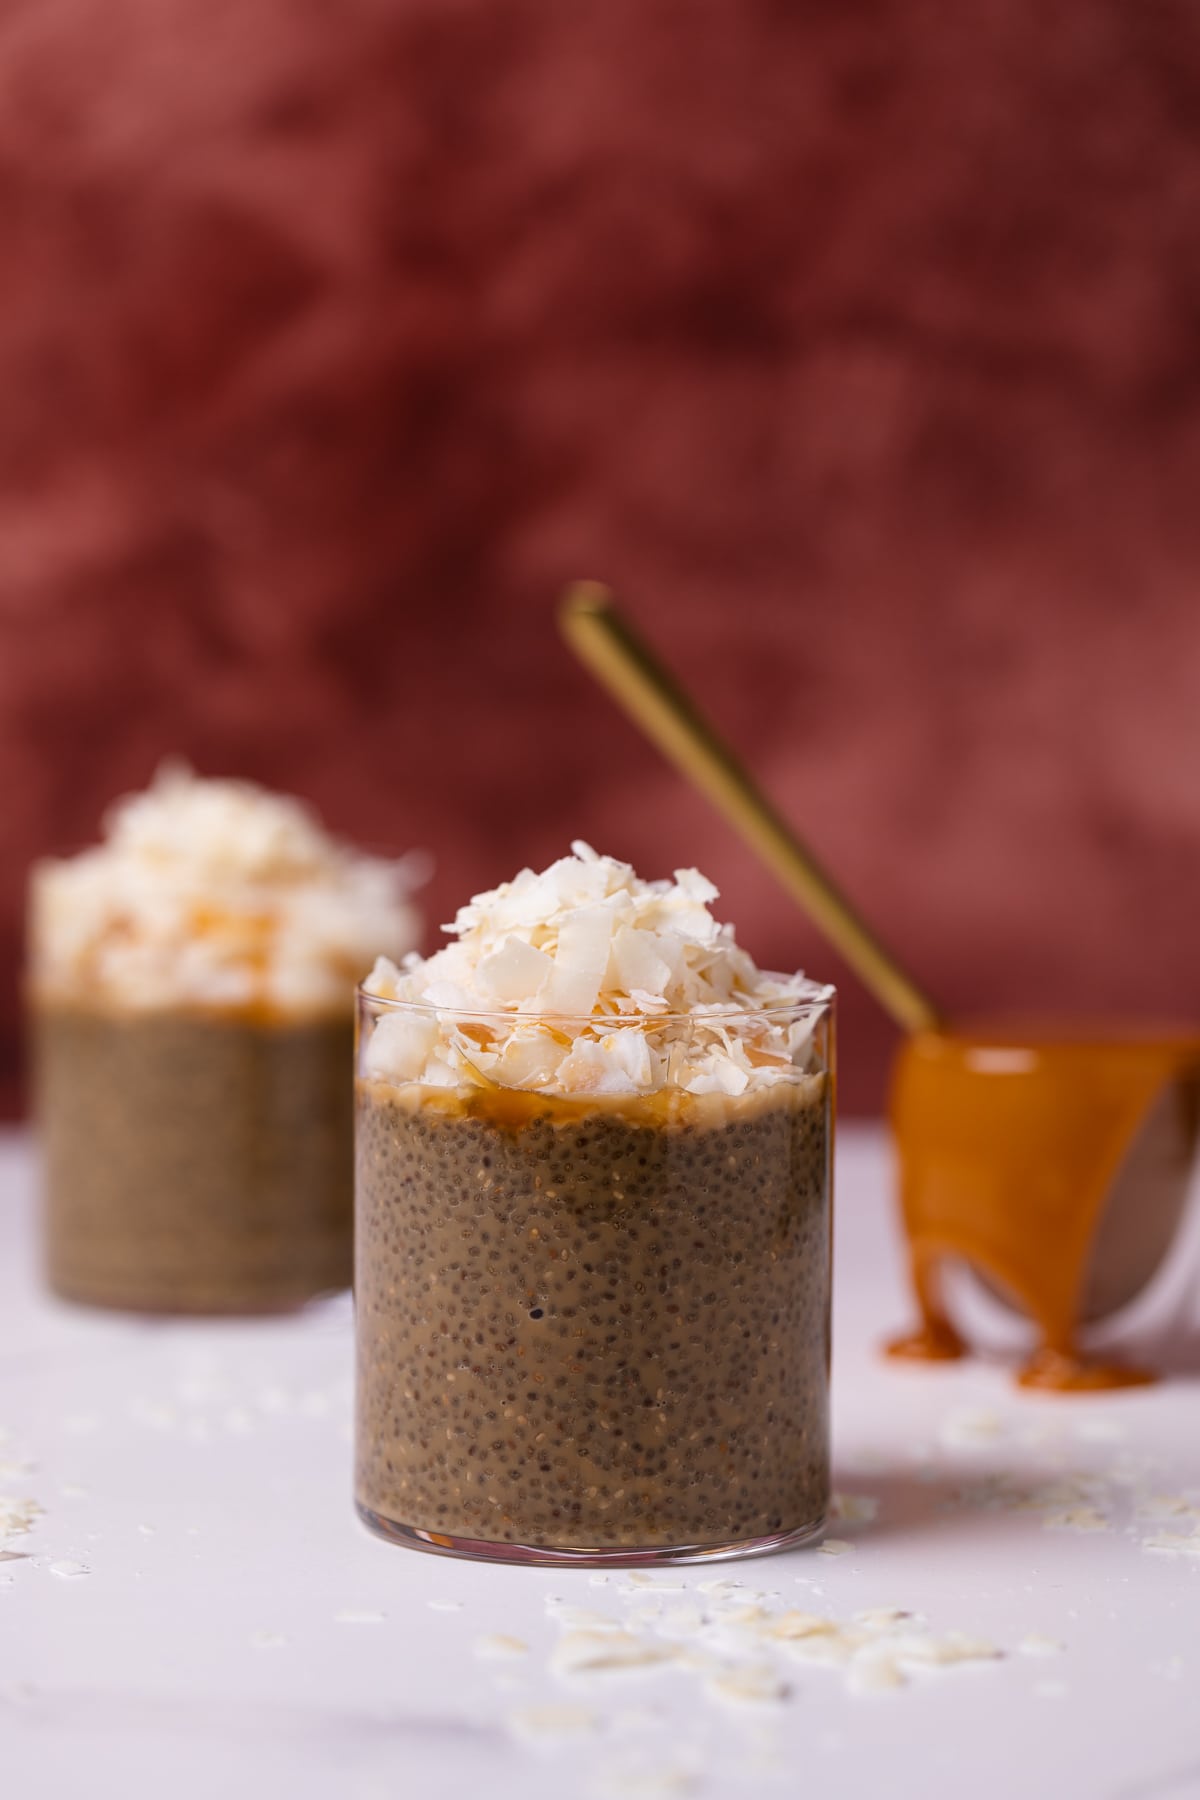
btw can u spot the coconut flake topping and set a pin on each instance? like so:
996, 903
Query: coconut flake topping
216, 893
586, 980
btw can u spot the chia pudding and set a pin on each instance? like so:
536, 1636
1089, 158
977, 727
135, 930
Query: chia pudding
593, 1247
192, 1163
191, 1001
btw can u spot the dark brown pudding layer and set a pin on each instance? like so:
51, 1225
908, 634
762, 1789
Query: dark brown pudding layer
195, 1163
593, 1325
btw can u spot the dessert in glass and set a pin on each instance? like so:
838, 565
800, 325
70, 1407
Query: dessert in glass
593, 1231
191, 995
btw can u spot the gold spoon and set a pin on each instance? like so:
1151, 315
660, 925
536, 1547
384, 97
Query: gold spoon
609, 647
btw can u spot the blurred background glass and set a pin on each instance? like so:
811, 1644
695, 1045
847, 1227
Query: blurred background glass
856, 348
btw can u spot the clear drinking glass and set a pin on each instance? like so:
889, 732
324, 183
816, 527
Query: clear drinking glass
195, 1161
594, 1330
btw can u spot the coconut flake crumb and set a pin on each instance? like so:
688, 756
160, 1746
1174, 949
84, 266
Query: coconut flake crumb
886, 1618
1034, 1643
873, 1675
679, 1622
1076, 1518
606, 1652
583, 1618
970, 1428
499, 1647
358, 1615
542, 1724
757, 1685
732, 1640
926, 1650
835, 1547
446, 1606
584, 980
1169, 1506
68, 1570
18, 1514
1174, 1543
218, 893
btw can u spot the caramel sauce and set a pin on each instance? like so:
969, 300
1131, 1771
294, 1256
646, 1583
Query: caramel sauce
1010, 1145
663, 1109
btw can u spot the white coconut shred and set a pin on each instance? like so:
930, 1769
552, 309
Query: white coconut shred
585, 980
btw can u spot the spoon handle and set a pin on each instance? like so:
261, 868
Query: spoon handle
621, 662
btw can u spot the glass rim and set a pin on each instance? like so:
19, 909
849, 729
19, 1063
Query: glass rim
821, 996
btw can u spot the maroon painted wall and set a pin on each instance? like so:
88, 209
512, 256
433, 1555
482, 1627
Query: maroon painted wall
860, 346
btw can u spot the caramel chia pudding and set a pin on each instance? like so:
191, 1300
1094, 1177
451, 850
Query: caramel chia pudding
191, 992
593, 1233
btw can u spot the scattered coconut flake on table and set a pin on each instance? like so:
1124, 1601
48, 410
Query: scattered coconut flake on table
1076, 1518
1173, 1543
678, 1621
835, 1547
68, 1570
1169, 1506
875, 1675
540, 1724
646, 1781
357, 1615
498, 1646
1034, 1643
970, 1428
18, 1515
926, 1650
583, 1618
753, 1686
446, 1606
606, 1652
884, 1618
722, 1642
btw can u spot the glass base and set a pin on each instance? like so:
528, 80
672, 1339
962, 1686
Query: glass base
591, 1556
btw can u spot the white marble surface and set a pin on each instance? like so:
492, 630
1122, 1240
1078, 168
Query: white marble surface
230, 1629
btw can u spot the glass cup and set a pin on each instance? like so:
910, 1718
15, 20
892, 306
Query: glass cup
594, 1330
195, 1161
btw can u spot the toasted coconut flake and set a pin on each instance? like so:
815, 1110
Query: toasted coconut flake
217, 893
517, 971
649, 989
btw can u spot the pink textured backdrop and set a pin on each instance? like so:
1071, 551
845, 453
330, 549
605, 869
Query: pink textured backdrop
858, 346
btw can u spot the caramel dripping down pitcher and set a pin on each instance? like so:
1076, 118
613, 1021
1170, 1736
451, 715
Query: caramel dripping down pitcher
1054, 1162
